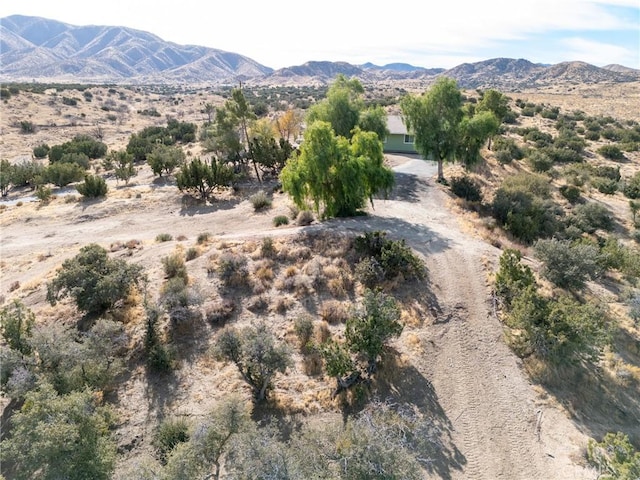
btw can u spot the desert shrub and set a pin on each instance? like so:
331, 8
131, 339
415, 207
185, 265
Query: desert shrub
191, 253
257, 355
232, 269
615, 458
539, 161
604, 185
94, 186
260, 201
465, 187
305, 217
303, 328
62, 174
334, 312
95, 281
179, 298
267, 248
506, 150
512, 277
27, 127
634, 308
158, 356
538, 138
394, 256
165, 159
563, 155
220, 311
612, 152
551, 113
164, 237
60, 436
369, 272
568, 264
632, 187
280, 220
605, 171
41, 151
592, 216
570, 192
203, 238
174, 266
591, 135
169, 434
43, 193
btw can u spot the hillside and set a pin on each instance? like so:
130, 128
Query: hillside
484, 411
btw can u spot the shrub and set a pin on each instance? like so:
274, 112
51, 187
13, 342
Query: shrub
27, 126
507, 150
280, 220
219, 312
305, 217
174, 266
16, 323
605, 185
94, 186
158, 357
95, 281
612, 173
593, 136
369, 272
570, 192
592, 216
260, 201
513, 277
465, 187
632, 187
203, 238
62, 174
232, 269
43, 193
394, 256
41, 151
568, 264
539, 161
615, 457
169, 434
192, 253
611, 152
267, 249
164, 237
303, 328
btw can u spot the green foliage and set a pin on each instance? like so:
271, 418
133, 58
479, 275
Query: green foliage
434, 119
473, 133
570, 192
513, 277
632, 187
256, 354
164, 237
79, 144
174, 266
202, 178
41, 151
94, 186
165, 159
567, 264
27, 127
372, 326
507, 150
494, 102
605, 185
43, 193
95, 281
123, 163
280, 220
539, 161
614, 457
6, 174
169, 434
374, 119
60, 436
16, 323
335, 174
591, 216
394, 257
465, 187
341, 108
157, 355
303, 328
62, 174
611, 152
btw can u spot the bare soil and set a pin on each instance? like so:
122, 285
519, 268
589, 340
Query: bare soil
451, 361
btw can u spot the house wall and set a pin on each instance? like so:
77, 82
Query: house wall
395, 144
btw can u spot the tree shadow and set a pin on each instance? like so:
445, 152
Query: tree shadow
408, 188
191, 206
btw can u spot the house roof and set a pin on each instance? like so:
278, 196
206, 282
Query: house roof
396, 126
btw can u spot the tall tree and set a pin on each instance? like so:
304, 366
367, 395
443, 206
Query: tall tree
342, 106
434, 118
241, 110
374, 119
336, 175
289, 124
473, 133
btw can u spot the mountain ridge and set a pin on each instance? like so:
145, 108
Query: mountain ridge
36, 48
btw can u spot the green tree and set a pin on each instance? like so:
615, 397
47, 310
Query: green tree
123, 162
16, 323
62, 174
60, 436
495, 102
93, 186
342, 106
513, 277
95, 281
6, 173
202, 177
241, 111
614, 457
568, 264
473, 133
255, 352
164, 158
372, 326
434, 118
336, 175
374, 119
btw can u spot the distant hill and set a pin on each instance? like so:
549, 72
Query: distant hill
38, 48
34, 48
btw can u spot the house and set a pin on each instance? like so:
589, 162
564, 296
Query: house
398, 140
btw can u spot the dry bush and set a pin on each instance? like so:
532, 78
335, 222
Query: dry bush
181, 238
304, 218
192, 253
218, 312
322, 332
334, 311
232, 269
14, 286
294, 253
258, 303
312, 363
282, 304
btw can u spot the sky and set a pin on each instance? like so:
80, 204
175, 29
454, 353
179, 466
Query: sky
444, 34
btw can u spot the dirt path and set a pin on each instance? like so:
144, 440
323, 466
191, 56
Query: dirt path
497, 424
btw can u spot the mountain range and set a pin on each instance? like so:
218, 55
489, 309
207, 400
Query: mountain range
40, 49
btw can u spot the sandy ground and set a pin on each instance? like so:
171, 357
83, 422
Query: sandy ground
493, 422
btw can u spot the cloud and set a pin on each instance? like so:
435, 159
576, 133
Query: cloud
598, 53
